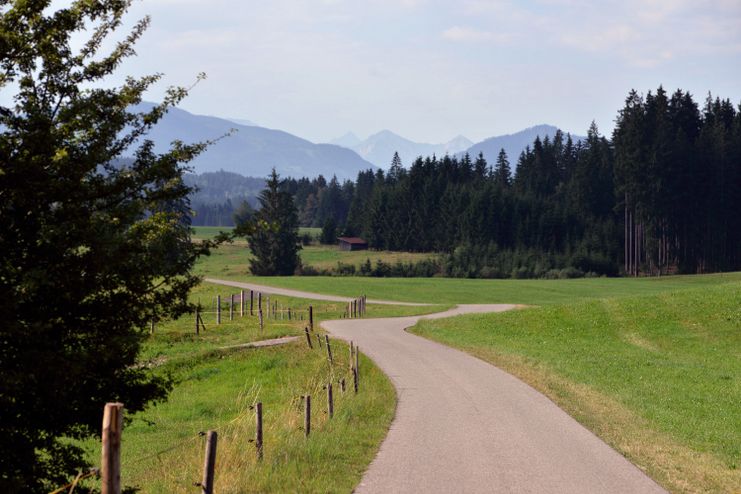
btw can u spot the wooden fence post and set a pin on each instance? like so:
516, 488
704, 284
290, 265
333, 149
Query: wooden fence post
258, 429
329, 349
352, 356
110, 462
197, 325
355, 379
330, 400
319, 339
231, 307
218, 309
209, 463
357, 358
307, 415
252, 301
308, 338
311, 318
241, 303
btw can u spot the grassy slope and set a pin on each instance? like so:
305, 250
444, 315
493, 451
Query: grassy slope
216, 386
656, 376
533, 292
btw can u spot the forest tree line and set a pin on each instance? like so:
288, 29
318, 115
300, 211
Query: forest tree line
662, 196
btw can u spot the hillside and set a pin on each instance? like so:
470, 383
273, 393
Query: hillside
254, 151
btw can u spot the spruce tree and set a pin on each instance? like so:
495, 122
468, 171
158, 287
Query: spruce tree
502, 172
274, 242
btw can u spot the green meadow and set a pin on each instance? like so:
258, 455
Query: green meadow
657, 376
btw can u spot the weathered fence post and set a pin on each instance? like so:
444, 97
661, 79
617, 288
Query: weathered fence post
319, 339
110, 462
258, 429
307, 415
241, 303
308, 338
357, 358
209, 463
197, 325
330, 400
252, 302
231, 307
352, 356
151, 329
329, 349
355, 379
218, 309
311, 318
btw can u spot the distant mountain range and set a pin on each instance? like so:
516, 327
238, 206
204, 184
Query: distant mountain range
254, 151
379, 148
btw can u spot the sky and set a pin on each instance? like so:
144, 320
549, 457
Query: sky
430, 70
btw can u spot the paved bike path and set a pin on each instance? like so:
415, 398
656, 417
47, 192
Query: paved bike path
465, 426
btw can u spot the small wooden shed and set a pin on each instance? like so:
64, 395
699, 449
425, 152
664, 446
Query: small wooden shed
352, 243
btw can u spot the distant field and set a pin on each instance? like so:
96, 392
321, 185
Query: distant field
656, 376
455, 290
211, 231
231, 261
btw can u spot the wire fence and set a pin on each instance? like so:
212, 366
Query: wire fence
110, 473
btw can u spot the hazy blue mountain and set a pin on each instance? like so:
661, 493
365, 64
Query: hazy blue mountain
348, 140
379, 148
513, 144
243, 121
254, 151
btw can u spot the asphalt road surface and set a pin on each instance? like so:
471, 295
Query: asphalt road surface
464, 426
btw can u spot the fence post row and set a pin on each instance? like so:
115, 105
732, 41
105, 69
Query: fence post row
110, 461
209, 463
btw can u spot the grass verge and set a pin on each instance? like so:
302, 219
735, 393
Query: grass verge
657, 377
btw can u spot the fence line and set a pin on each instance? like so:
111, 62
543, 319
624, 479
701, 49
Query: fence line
111, 438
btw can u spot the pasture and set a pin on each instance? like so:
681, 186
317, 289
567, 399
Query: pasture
657, 376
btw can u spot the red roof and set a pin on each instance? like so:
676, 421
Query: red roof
352, 240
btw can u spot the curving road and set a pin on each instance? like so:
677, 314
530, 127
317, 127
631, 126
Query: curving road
464, 426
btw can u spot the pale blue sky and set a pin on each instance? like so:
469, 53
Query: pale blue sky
430, 70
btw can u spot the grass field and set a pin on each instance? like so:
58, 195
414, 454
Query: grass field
531, 292
656, 376
218, 382
231, 261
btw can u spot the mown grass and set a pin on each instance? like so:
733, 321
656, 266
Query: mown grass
656, 376
476, 291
